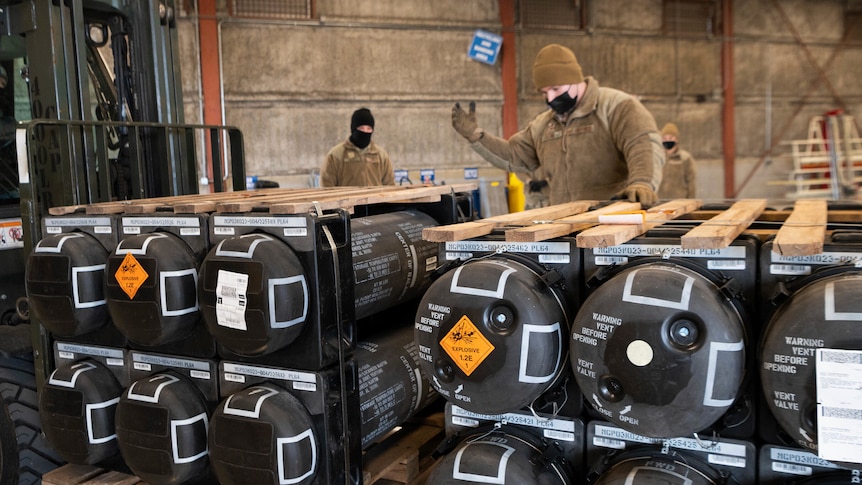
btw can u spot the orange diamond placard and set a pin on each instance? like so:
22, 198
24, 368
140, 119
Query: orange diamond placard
466, 345
130, 275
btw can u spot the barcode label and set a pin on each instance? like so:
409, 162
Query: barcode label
843, 413
305, 386
471, 423
609, 443
609, 260
554, 258
725, 460
726, 264
789, 269
559, 435
791, 469
230, 377
198, 374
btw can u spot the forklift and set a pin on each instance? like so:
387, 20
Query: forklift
91, 111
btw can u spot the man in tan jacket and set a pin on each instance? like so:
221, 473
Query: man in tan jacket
593, 142
357, 161
680, 174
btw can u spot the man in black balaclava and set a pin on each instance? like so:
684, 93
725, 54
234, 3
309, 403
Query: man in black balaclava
357, 161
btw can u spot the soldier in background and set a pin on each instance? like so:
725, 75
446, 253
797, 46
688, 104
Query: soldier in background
591, 143
680, 174
358, 161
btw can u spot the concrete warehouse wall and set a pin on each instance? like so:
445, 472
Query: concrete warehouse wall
291, 86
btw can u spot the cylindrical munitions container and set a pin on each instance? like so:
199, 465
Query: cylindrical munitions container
77, 406
391, 261
824, 312
659, 350
151, 287
492, 334
648, 466
264, 434
500, 457
65, 281
391, 386
255, 294
161, 425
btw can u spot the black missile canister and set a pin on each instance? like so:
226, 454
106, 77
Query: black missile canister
77, 406
391, 261
492, 335
501, 457
652, 466
162, 425
659, 350
824, 313
151, 287
65, 281
391, 385
263, 434
254, 294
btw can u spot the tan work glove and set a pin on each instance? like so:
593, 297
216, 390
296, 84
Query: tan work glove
465, 123
637, 192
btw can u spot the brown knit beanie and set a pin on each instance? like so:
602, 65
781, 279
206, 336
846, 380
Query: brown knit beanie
670, 129
556, 65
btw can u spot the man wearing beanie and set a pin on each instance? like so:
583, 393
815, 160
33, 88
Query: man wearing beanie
357, 161
679, 180
593, 142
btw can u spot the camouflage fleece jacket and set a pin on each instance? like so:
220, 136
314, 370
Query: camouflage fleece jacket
348, 165
680, 177
607, 143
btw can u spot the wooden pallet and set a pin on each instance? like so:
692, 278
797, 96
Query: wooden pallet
401, 457
404, 456
273, 201
88, 475
801, 233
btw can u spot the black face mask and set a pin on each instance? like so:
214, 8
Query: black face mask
668, 145
360, 138
563, 103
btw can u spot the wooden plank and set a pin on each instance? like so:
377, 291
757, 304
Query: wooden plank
113, 478
846, 216
373, 195
397, 457
267, 203
70, 474
117, 207
418, 192
66, 210
802, 234
467, 230
718, 232
607, 235
567, 225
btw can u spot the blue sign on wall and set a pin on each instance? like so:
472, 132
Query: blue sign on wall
485, 47
426, 175
401, 177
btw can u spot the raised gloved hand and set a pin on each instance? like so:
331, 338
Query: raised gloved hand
637, 192
465, 123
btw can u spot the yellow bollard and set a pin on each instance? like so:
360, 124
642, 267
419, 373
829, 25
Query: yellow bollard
516, 193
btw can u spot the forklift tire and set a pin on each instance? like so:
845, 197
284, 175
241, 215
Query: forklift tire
24, 453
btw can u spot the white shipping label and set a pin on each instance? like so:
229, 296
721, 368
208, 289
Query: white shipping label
231, 299
839, 404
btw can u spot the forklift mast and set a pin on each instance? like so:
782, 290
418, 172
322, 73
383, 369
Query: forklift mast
105, 98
